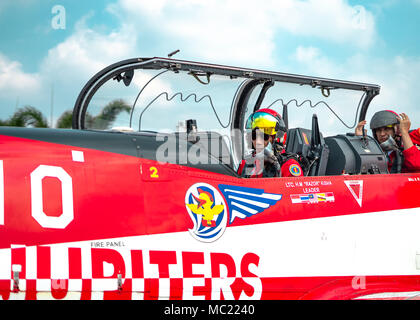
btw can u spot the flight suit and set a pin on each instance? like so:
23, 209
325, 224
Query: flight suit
411, 162
252, 167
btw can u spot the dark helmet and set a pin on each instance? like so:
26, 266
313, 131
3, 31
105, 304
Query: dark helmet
384, 118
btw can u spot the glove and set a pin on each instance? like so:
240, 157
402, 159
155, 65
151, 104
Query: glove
272, 159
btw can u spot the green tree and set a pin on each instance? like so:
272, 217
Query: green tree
107, 115
25, 117
31, 117
65, 120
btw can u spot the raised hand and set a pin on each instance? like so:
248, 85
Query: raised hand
404, 124
359, 129
404, 127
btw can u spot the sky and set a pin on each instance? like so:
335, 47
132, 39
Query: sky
50, 49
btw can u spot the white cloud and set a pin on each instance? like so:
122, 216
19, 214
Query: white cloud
233, 31
70, 64
398, 78
14, 80
87, 51
245, 31
314, 63
333, 20
148, 8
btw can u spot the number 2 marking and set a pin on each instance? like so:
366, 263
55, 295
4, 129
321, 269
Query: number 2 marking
154, 172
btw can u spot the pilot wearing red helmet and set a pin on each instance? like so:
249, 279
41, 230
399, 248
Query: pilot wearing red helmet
392, 131
266, 127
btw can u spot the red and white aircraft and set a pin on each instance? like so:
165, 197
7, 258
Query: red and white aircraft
96, 213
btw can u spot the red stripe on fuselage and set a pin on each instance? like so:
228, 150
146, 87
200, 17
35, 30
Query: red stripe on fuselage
114, 197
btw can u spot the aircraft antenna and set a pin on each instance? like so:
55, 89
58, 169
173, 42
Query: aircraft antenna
173, 53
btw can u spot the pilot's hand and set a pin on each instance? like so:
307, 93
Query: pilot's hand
271, 158
404, 124
404, 128
359, 129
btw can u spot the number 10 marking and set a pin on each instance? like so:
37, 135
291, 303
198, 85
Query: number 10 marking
38, 213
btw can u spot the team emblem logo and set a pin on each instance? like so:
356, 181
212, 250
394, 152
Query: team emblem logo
295, 170
207, 210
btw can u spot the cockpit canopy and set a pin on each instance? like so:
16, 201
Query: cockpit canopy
204, 107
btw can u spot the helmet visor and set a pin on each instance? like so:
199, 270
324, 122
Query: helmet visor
264, 121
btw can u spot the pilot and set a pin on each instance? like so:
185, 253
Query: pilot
265, 159
392, 131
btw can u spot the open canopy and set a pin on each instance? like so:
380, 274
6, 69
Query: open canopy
144, 95
124, 72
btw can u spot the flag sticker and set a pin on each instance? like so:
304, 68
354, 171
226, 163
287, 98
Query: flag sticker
312, 197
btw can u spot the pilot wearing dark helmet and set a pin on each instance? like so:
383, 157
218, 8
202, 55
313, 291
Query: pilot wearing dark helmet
266, 128
392, 131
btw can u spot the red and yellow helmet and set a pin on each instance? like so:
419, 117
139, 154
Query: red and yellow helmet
267, 120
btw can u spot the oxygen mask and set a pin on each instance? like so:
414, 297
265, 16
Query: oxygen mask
389, 145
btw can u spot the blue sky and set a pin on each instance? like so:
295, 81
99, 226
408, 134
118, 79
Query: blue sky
368, 41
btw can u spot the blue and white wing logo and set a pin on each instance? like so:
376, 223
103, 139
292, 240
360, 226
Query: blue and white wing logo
245, 202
